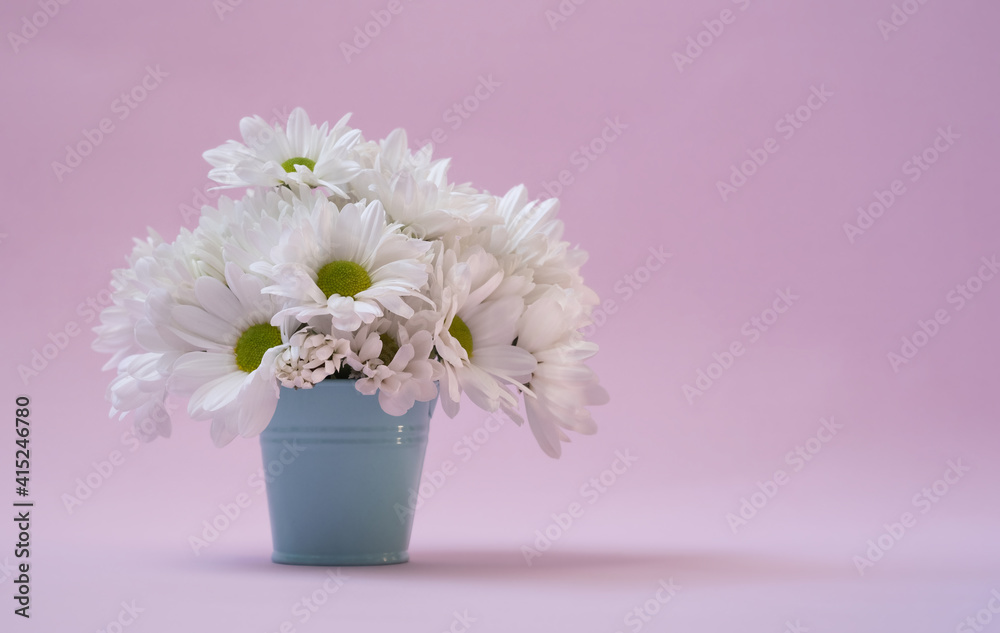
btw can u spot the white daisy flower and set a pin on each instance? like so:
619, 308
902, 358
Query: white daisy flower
395, 362
231, 376
346, 266
561, 386
302, 153
480, 308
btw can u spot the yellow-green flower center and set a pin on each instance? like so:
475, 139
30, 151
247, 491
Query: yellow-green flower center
389, 348
343, 278
253, 344
289, 165
460, 331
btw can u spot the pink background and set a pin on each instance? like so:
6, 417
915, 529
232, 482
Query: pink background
653, 186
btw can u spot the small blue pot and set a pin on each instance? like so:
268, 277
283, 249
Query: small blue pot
342, 476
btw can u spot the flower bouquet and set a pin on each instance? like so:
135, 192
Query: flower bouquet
358, 263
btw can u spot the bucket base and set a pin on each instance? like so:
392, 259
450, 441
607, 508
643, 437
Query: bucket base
340, 560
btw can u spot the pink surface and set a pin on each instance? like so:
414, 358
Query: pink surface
870, 105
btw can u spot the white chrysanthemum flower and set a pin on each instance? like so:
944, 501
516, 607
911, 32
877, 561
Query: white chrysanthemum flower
480, 307
139, 392
116, 332
231, 376
346, 265
139, 352
394, 361
245, 231
153, 265
392, 156
310, 358
387, 161
423, 210
302, 153
533, 234
562, 386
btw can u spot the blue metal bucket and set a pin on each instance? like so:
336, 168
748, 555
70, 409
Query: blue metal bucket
341, 476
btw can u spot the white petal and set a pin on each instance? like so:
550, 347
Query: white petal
506, 361
194, 369
216, 394
256, 405
217, 299
543, 427
201, 328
